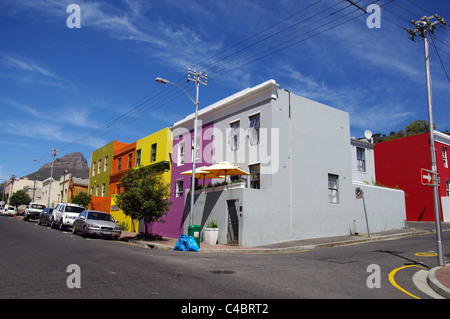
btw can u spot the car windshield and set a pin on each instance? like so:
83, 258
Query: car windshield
74, 209
10, 208
100, 216
37, 206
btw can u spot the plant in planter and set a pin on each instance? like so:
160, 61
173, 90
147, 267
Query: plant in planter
211, 232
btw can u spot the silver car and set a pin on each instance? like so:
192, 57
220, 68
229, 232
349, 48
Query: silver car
96, 223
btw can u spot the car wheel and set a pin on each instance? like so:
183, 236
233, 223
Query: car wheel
85, 234
74, 230
61, 226
39, 222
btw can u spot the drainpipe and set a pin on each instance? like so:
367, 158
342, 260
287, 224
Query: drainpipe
290, 162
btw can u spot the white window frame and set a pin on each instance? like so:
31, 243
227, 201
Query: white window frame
444, 157
361, 159
234, 135
333, 189
255, 176
253, 131
179, 190
447, 187
99, 168
181, 153
106, 163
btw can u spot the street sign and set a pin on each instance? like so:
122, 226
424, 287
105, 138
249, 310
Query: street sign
358, 193
426, 177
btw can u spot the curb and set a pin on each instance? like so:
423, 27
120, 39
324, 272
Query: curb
154, 245
436, 285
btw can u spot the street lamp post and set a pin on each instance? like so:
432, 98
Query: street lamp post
198, 78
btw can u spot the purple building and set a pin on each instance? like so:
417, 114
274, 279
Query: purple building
181, 184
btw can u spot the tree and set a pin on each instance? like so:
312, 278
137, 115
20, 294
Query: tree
82, 199
145, 195
414, 128
19, 198
418, 127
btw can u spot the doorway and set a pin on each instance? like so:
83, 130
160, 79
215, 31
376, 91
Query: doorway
233, 222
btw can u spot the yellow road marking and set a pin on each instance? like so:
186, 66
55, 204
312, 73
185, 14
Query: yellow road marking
426, 254
391, 279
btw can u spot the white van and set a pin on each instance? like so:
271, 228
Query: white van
64, 215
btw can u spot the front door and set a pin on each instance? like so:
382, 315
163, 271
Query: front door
233, 222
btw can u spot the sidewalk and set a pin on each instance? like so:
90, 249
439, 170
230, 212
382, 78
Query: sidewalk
438, 277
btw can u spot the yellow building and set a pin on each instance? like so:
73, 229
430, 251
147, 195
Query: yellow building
152, 150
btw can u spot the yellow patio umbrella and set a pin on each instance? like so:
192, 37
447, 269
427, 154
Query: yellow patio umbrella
201, 172
225, 168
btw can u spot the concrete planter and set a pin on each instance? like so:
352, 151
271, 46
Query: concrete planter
211, 235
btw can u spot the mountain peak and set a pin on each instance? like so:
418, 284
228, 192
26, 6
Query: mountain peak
75, 163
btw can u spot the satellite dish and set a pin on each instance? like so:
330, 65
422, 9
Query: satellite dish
368, 134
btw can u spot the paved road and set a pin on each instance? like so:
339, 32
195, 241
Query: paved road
34, 261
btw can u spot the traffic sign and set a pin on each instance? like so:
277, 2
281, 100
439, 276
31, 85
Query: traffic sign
426, 177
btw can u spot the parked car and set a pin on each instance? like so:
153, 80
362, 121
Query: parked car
9, 210
64, 215
33, 211
45, 217
96, 223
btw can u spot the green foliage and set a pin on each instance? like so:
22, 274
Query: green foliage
145, 195
82, 199
212, 224
414, 128
19, 198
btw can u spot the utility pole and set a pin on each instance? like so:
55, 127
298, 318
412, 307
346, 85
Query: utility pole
198, 78
54, 152
424, 27
11, 190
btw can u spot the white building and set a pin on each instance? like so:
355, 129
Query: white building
300, 161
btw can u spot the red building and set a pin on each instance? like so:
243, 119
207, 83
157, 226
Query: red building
398, 163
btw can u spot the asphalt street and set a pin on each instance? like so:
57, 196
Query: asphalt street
35, 260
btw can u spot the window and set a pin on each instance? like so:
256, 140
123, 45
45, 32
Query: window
444, 157
94, 165
153, 153
92, 190
103, 189
130, 160
138, 158
234, 136
106, 163
447, 186
333, 188
99, 169
253, 133
119, 164
96, 190
179, 188
180, 153
361, 159
255, 181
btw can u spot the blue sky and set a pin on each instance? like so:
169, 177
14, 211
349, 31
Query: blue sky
77, 89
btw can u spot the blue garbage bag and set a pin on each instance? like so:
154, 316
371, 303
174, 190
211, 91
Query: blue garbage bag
186, 243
